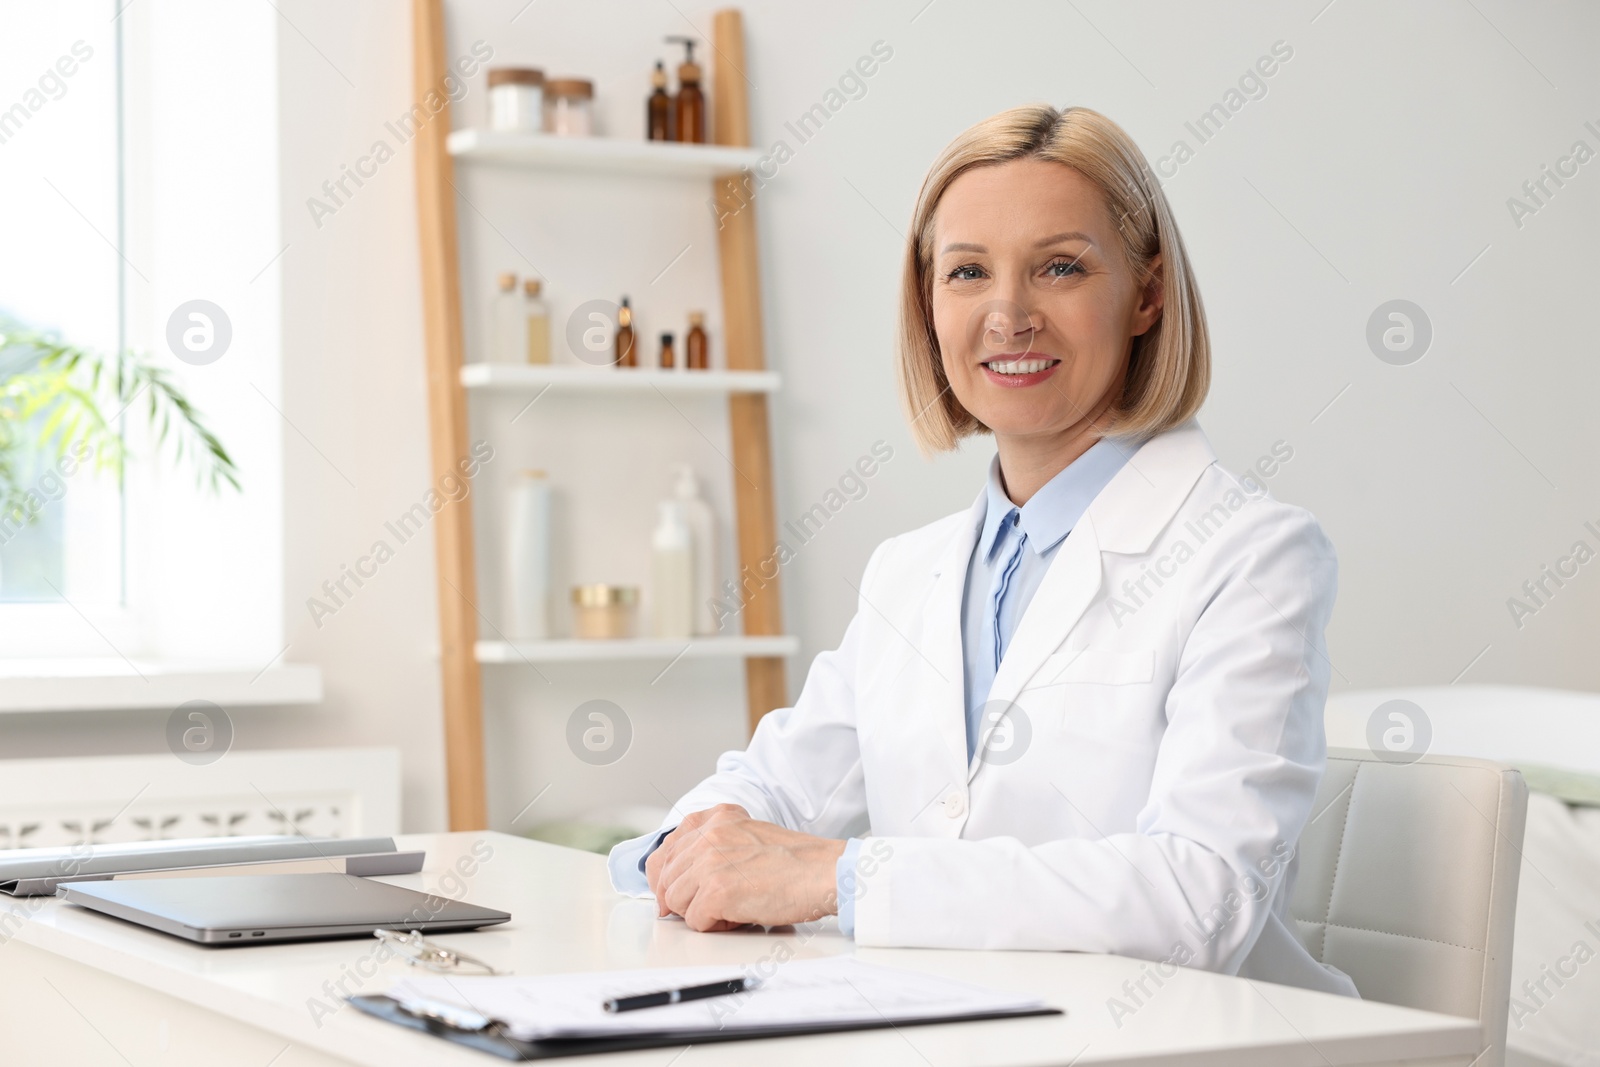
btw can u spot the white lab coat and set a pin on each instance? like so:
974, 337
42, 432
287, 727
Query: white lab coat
1151, 802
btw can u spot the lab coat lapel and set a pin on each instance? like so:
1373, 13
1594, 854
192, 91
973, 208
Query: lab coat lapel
941, 644
1125, 518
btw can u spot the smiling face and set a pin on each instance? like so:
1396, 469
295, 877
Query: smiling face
1034, 304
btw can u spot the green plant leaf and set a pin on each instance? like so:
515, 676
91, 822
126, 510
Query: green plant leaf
54, 396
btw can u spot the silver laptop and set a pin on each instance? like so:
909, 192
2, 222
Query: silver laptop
254, 908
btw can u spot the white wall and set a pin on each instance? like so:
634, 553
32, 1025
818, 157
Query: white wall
1377, 166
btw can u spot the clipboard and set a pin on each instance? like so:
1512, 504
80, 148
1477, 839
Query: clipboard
490, 1040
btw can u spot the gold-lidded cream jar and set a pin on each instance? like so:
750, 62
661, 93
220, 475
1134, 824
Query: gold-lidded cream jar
604, 611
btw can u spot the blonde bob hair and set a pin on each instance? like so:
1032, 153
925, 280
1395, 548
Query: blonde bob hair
1169, 369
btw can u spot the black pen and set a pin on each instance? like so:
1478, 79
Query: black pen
673, 996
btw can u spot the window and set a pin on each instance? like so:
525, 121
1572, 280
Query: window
60, 132
138, 161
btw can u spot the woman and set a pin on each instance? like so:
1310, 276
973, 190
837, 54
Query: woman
1086, 712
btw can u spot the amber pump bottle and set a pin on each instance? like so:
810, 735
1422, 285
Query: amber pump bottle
627, 350
695, 350
690, 104
658, 108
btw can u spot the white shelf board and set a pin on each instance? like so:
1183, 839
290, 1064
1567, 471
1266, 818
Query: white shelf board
615, 379
610, 155
104, 684
650, 648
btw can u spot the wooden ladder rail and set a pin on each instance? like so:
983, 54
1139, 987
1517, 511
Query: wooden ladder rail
454, 552
738, 255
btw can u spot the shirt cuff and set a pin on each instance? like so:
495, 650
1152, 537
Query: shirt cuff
626, 862
846, 880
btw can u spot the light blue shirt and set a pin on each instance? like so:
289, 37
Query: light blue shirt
1014, 548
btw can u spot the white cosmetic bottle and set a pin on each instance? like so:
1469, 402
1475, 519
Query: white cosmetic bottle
672, 573
702, 534
527, 614
508, 324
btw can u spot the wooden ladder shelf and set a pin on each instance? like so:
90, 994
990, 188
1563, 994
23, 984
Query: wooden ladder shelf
447, 406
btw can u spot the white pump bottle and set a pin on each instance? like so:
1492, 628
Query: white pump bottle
703, 533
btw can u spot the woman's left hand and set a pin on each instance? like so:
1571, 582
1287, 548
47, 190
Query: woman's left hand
720, 869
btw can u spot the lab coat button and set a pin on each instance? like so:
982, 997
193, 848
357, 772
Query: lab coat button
955, 805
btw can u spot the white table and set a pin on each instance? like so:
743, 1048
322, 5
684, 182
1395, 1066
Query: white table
82, 989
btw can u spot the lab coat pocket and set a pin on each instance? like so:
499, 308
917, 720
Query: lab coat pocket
1095, 666
1099, 709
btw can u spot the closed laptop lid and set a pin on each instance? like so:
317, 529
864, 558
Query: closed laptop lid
267, 901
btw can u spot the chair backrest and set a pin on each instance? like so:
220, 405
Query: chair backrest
1408, 882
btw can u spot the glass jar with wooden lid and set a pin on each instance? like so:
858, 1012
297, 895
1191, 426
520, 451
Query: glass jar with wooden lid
569, 107
516, 99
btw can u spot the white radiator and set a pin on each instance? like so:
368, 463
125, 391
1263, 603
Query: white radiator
325, 792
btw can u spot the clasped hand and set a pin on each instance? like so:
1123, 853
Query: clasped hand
721, 869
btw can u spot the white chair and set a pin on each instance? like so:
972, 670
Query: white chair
1408, 883
1526, 726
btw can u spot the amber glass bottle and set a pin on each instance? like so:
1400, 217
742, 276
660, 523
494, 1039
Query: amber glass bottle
690, 103
658, 109
696, 353
627, 350
668, 357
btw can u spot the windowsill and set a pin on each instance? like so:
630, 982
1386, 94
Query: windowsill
105, 684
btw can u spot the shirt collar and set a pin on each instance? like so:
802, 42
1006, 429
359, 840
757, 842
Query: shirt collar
1052, 512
